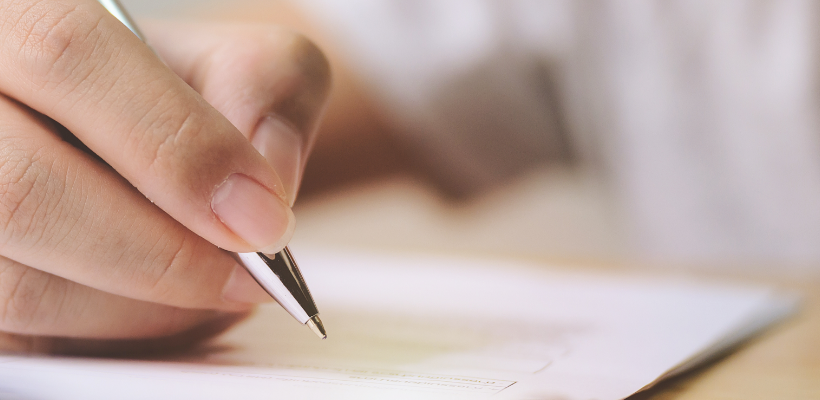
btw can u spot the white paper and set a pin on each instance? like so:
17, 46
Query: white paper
413, 327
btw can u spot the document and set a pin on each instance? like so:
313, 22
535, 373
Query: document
421, 327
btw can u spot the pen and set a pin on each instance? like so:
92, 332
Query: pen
277, 273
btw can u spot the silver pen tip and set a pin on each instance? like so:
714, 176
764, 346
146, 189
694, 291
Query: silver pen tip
315, 324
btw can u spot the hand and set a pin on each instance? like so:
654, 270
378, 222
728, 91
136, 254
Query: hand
119, 250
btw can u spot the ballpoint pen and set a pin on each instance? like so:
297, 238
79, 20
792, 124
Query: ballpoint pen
277, 273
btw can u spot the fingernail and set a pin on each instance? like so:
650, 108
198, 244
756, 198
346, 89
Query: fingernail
255, 214
242, 288
282, 146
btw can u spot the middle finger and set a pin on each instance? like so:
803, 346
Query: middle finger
65, 213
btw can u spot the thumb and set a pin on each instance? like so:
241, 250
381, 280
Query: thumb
271, 83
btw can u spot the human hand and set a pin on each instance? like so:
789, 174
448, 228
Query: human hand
119, 253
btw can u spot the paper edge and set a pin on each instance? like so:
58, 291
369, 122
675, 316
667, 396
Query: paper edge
777, 308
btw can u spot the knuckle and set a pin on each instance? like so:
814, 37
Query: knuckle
24, 187
166, 263
54, 40
170, 132
176, 141
21, 292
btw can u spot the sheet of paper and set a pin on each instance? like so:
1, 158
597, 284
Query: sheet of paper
413, 327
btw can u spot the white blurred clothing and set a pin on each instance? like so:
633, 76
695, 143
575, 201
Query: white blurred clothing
701, 115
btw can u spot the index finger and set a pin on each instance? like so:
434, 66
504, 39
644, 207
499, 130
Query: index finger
73, 61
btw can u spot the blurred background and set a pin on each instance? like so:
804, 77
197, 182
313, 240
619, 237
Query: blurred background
664, 133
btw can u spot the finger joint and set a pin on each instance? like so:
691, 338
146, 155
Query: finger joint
24, 191
22, 291
169, 258
55, 41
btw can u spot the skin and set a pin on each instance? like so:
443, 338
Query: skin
114, 170
356, 141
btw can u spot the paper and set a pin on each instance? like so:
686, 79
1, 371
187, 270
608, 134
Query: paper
404, 327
